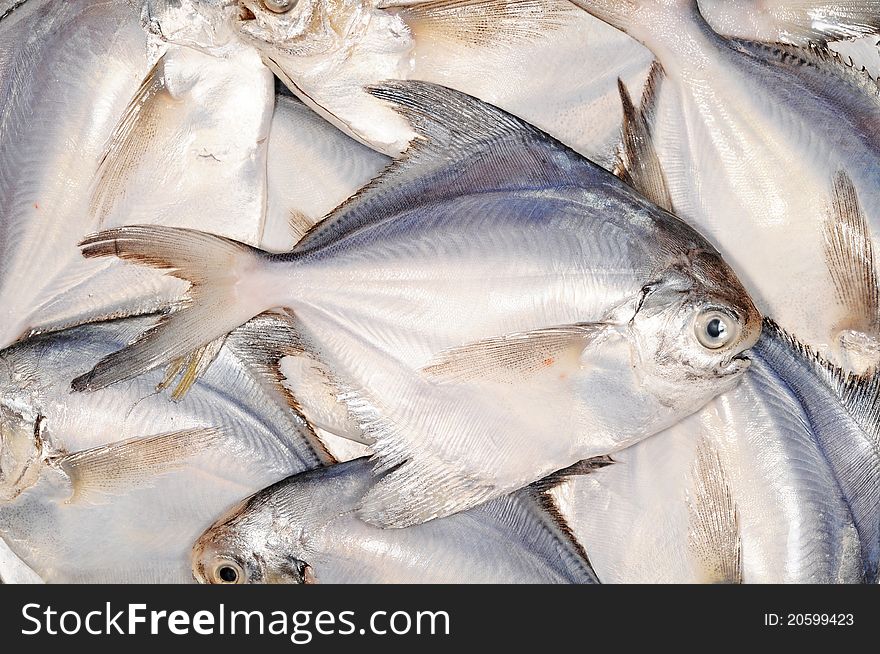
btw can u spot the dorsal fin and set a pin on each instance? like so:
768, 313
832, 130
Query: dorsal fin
859, 394
637, 162
463, 146
816, 55
585, 467
541, 493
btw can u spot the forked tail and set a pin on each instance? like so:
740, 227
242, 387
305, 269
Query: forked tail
221, 297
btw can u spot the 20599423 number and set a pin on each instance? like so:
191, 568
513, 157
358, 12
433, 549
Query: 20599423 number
820, 619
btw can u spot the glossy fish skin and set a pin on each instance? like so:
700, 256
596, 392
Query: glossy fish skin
795, 521
13, 570
842, 410
752, 138
798, 22
66, 87
327, 52
86, 149
135, 530
506, 236
312, 168
305, 530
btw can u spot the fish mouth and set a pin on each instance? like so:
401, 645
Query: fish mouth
734, 365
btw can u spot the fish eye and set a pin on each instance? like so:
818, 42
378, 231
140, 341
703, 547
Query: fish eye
715, 329
279, 6
228, 572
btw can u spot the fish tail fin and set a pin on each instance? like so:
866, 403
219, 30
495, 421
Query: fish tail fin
222, 296
638, 17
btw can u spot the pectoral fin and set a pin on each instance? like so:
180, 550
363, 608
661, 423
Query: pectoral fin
849, 253
482, 22
713, 536
513, 357
115, 469
129, 141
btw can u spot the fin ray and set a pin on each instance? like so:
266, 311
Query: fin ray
114, 469
511, 357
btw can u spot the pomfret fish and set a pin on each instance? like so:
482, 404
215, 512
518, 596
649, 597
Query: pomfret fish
327, 51
305, 530
96, 132
774, 152
492, 277
114, 486
760, 486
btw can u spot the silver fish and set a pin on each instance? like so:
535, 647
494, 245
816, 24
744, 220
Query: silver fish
327, 51
114, 486
774, 152
305, 530
775, 481
493, 277
106, 123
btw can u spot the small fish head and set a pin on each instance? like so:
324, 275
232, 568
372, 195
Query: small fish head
21, 451
692, 329
242, 548
327, 52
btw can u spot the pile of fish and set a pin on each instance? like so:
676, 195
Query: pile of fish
440, 291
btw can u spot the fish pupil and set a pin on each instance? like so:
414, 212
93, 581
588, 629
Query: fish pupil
228, 574
716, 328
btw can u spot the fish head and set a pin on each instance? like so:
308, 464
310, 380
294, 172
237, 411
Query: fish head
205, 25
243, 547
327, 51
21, 450
680, 343
692, 328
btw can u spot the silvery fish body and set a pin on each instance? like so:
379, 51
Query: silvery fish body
327, 52
305, 530
776, 481
492, 277
312, 168
114, 486
516, 54
773, 151
106, 123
